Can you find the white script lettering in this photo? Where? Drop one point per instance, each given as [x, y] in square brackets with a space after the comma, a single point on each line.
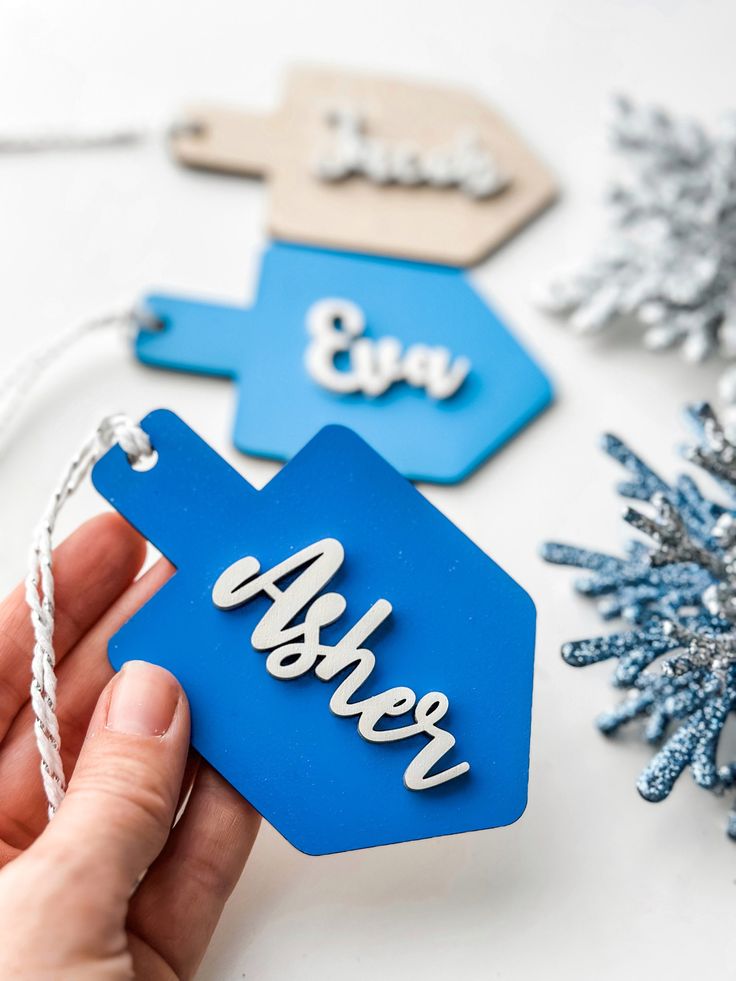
[336, 326]
[465, 164]
[295, 648]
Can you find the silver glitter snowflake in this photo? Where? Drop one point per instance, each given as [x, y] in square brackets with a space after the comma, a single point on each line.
[669, 260]
[676, 659]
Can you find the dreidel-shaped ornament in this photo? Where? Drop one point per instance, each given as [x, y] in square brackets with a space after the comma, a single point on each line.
[406, 354]
[371, 164]
[356, 667]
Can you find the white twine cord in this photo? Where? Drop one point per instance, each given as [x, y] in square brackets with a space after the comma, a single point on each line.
[14, 388]
[17, 382]
[63, 141]
[48, 142]
[39, 589]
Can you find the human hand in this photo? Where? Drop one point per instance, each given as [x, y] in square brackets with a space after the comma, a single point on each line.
[108, 889]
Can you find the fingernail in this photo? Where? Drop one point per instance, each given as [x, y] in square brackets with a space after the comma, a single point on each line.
[144, 699]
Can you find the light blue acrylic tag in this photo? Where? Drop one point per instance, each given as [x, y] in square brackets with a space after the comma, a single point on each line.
[357, 668]
[444, 412]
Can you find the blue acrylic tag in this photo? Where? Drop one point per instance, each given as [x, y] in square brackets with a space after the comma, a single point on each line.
[280, 405]
[457, 626]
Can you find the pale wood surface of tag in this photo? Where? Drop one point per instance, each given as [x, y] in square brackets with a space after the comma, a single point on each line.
[441, 225]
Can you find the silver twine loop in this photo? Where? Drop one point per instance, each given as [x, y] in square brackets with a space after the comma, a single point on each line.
[39, 592]
[39, 583]
[17, 382]
[62, 142]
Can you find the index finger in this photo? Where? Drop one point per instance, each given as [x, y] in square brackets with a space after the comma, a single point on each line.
[91, 568]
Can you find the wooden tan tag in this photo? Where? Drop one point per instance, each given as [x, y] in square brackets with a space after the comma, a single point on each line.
[425, 223]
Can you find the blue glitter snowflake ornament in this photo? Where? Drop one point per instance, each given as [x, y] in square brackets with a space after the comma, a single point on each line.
[677, 659]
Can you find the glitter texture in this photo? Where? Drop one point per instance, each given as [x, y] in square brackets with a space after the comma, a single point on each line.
[676, 590]
[669, 259]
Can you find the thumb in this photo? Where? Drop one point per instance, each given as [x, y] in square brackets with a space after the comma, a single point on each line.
[122, 797]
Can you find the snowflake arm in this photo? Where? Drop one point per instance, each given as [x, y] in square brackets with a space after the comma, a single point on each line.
[676, 588]
[668, 260]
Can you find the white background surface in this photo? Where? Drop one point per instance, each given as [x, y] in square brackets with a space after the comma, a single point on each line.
[592, 882]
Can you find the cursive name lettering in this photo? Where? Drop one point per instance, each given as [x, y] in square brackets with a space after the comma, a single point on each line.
[465, 164]
[296, 648]
[336, 326]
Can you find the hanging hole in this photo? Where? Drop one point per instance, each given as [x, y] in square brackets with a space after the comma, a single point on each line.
[144, 463]
[149, 321]
[192, 128]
